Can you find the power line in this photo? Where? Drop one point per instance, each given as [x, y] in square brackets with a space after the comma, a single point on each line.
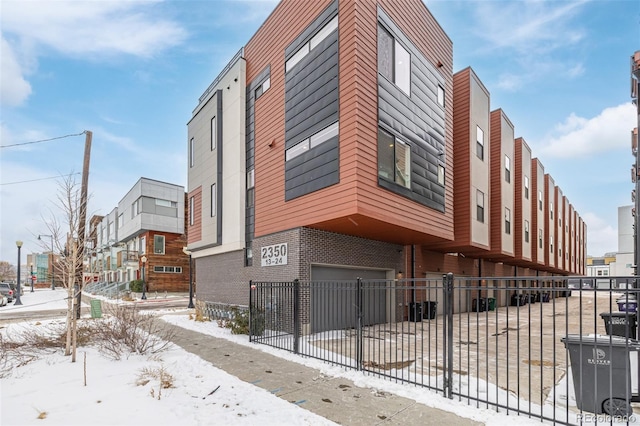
[35, 180]
[43, 140]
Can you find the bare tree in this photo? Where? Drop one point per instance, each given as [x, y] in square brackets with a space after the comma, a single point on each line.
[7, 271]
[65, 239]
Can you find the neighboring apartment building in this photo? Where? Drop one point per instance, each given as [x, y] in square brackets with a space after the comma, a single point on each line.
[146, 230]
[328, 148]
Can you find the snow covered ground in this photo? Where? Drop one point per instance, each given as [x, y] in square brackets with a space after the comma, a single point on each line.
[51, 390]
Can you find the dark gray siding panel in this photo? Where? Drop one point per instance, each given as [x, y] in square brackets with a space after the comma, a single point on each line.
[418, 120]
[311, 104]
[312, 170]
[311, 93]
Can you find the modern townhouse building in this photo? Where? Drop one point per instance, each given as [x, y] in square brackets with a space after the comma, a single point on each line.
[146, 230]
[338, 143]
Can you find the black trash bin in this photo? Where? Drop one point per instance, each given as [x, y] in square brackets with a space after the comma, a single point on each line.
[415, 311]
[429, 309]
[601, 370]
[516, 299]
[622, 324]
[479, 305]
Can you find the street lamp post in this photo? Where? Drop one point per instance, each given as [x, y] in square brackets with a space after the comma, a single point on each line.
[53, 258]
[31, 275]
[144, 284]
[188, 252]
[18, 302]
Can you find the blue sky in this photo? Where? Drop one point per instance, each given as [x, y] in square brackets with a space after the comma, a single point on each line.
[132, 72]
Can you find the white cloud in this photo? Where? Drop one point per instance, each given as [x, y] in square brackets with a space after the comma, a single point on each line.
[14, 89]
[94, 30]
[602, 236]
[579, 136]
[530, 33]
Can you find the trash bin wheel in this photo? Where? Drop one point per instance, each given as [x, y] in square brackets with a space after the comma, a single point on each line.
[617, 407]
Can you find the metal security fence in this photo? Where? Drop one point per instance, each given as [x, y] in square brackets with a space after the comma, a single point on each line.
[520, 345]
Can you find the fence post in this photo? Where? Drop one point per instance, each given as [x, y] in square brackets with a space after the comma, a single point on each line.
[359, 342]
[251, 288]
[296, 316]
[448, 331]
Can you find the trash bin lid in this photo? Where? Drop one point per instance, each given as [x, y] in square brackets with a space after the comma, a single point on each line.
[617, 314]
[600, 340]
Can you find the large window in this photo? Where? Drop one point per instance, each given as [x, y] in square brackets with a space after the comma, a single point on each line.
[480, 206]
[158, 244]
[479, 143]
[394, 159]
[394, 61]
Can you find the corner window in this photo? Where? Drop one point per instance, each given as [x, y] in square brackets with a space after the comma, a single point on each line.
[158, 244]
[394, 159]
[479, 143]
[394, 61]
[507, 169]
[480, 206]
[507, 221]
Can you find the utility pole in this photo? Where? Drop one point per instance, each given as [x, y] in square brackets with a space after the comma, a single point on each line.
[79, 282]
[635, 90]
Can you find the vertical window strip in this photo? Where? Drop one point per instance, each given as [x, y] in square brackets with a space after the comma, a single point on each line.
[213, 200]
[214, 133]
[479, 143]
[191, 210]
[191, 154]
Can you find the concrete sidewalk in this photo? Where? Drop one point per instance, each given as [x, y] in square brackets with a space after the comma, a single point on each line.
[334, 398]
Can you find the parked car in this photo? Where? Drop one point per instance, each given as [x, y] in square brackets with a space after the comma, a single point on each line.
[7, 291]
[3, 300]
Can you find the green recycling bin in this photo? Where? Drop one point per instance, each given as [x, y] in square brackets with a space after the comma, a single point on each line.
[491, 303]
[96, 308]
